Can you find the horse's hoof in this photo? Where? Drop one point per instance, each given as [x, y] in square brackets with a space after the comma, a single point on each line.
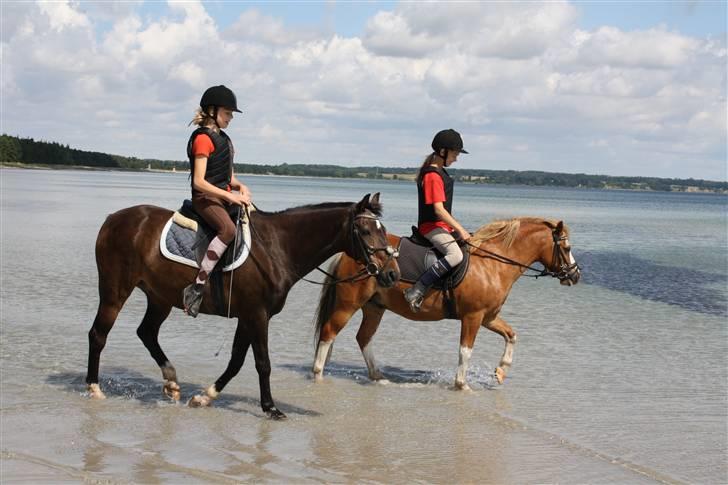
[199, 402]
[275, 414]
[500, 375]
[463, 386]
[380, 379]
[318, 377]
[94, 392]
[172, 391]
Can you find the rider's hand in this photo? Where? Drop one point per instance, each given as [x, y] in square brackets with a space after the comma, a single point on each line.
[464, 234]
[236, 198]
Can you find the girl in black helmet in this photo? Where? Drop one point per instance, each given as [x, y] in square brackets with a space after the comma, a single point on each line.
[214, 185]
[434, 215]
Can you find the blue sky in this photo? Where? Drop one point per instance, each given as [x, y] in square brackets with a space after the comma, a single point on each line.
[617, 88]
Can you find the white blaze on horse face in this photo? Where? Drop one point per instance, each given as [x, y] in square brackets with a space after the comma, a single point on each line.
[379, 224]
[321, 353]
[464, 358]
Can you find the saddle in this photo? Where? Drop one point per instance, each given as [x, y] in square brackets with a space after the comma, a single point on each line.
[416, 255]
[186, 236]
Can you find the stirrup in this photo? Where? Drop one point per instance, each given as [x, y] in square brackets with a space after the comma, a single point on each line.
[414, 297]
[192, 299]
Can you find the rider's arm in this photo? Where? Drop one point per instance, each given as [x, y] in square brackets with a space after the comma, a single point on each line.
[445, 217]
[236, 184]
[199, 183]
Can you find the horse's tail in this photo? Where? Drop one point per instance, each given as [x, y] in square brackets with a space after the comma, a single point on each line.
[327, 300]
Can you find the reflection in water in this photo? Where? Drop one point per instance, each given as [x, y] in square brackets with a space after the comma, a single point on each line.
[477, 376]
[686, 288]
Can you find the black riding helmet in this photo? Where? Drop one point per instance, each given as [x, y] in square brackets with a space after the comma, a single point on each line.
[449, 140]
[219, 96]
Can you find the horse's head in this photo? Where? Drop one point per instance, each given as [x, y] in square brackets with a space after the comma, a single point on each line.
[561, 262]
[369, 244]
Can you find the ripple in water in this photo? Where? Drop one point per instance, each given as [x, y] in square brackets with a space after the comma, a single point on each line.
[683, 287]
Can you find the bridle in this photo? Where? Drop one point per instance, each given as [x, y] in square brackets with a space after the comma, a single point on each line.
[565, 271]
[363, 253]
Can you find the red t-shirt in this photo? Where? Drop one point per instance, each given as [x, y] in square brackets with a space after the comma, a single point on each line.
[434, 189]
[202, 145]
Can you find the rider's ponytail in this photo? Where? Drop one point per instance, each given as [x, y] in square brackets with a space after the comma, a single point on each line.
[428, 161]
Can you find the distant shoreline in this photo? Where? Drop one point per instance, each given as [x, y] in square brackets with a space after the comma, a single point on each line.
[390, 177]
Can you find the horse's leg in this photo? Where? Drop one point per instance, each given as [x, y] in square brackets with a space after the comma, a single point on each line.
[148, 332]
[369, 324]
[111, 301]
[468, 331]
[241, 343]
[330, 329]
[499, 326]
[262, 365]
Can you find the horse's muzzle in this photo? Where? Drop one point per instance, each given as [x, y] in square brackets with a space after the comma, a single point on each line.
[572, 277]
[388, 278]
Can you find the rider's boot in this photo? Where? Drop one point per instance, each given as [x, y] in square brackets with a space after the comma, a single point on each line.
[416, 293]
[192, 298]
[192, 294]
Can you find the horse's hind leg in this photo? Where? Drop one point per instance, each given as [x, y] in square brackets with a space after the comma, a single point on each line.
[329, 330]
[109, 308]
[499, 326]
[148, 332]
[369, 324]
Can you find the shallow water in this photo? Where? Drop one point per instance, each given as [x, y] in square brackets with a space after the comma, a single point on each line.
[620, 379]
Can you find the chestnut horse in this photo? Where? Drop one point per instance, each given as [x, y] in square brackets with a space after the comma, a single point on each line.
[500, 253]
[286, 246]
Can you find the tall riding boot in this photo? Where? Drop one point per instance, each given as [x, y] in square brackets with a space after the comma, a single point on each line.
[192, 294]
[416, 293]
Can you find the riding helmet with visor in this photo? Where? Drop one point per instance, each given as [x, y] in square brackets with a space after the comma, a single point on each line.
[449, 140]
[219, 96]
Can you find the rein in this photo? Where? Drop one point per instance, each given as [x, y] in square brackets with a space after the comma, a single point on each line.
[564, 269]
[370, 269]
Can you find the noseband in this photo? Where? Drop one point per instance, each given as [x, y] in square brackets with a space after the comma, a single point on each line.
[371, 268]
[566, 270]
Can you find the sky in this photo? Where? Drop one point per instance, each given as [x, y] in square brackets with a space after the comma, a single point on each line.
[612, 88]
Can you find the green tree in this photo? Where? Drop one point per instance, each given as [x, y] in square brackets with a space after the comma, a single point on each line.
[10, 151]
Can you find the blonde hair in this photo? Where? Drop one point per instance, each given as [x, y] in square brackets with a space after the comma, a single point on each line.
[428, 161]
[204, 118]
[507, 229]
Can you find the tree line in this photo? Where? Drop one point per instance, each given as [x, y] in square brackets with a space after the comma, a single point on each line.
[27, 151]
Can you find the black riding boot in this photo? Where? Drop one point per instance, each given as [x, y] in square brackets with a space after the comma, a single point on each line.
[192, 299]
[416, 293]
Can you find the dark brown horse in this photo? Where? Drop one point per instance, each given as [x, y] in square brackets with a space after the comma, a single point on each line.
[500, 253]
[286, 246]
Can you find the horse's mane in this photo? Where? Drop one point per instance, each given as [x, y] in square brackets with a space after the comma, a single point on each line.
[375, 208]
[508, 228]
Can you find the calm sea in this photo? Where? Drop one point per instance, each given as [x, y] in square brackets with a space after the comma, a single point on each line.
[620, 379]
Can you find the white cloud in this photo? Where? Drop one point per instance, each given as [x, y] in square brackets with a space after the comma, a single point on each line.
[524, 84]
[62, 15]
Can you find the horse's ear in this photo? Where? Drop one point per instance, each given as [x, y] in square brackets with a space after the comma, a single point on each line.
[375, 199]
[363, 204]
[559, 227]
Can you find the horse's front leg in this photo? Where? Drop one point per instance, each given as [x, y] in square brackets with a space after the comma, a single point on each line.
[469, 326]
[241, 343]
[499, 326]
[262, 365]
[372, 316]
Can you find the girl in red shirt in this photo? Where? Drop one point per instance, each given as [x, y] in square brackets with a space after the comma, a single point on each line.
[434, 215]
[214, 186]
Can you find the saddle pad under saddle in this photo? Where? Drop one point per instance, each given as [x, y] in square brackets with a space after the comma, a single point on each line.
[180, 234]
[414, 260]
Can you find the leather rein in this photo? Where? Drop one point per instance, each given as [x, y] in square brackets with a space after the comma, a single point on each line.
[565, 269]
